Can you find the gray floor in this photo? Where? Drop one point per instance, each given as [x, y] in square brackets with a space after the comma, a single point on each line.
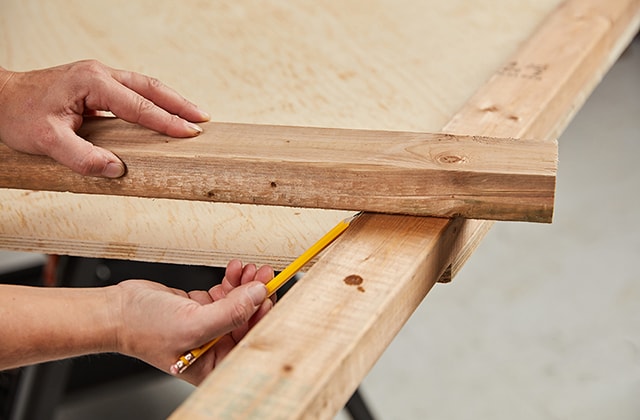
[542, 323]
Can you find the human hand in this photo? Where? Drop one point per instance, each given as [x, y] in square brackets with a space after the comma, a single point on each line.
[41, 110]
[158, 324]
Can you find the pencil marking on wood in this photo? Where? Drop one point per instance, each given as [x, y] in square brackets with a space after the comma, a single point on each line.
[533, 71]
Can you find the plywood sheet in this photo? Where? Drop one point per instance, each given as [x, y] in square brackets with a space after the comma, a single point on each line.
[384, 65]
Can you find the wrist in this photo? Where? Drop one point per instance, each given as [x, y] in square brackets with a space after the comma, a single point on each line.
[55, 323]
[112, 302]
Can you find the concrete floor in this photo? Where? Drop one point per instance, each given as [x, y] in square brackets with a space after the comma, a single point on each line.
[542, 323]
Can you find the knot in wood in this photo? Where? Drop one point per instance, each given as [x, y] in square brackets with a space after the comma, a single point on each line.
[450, 159]
[353, 280]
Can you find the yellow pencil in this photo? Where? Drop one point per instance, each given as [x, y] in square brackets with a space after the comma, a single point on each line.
[272, 286]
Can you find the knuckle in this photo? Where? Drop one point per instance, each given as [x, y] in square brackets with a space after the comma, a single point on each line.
[143, 106]
[155, 83]
[89, 74]
[91, 67]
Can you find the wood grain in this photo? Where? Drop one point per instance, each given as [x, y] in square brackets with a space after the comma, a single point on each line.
[308, 369]
[378, 171]
[158, 230]
[273, 374]
[313, 64]
[539, 89]
[324, 64]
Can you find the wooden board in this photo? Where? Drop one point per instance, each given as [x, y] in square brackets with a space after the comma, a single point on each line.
[273, 374]
[316, 64]
[294, 366]
[380, 171]
[559, 80]
[313, 64]
[158, 230]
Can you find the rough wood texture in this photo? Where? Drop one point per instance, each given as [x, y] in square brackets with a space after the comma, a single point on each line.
[316, 64]
[558, 80]
[273, 374]
[300, 367]
[380, 171]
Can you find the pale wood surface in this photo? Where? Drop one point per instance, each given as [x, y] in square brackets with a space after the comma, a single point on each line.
[157, 230]
[362, 83]
[422, 174]
[306, 366]
[321, 337]
[322, 64]
[557, 82]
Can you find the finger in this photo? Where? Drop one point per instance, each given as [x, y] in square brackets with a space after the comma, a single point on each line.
[160, 94]
[200, 296]
[264, 274]
[264, 309]
[217, 292]
[110, 95]
[222, 349]
[239, 333]
[94, 113]
[83, 157]
[248, 273]
[224, 316]
[232, 275]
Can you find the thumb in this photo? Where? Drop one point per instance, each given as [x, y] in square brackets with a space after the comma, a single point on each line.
[85, 158]
[234, 310]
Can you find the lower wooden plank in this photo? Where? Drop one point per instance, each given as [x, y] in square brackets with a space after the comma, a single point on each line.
[381, 265]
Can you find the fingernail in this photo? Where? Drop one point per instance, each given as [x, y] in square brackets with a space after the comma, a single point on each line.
[257, 293]
[194, 127]
[113, 170]
[204, 116]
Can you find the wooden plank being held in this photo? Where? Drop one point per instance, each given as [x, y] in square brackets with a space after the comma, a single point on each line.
[378, 171]
[311, 352]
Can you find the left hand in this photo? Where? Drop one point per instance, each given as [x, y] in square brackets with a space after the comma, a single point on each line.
[158, 324]
[41, 110]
